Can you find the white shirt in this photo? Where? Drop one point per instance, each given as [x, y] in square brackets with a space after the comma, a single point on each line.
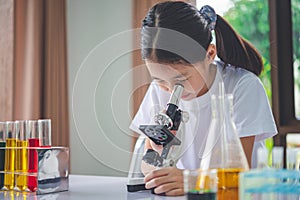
[251, 113]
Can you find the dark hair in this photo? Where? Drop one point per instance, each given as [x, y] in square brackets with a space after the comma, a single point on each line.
[185, 19]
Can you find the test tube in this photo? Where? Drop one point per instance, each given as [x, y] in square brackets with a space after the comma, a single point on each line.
[262, 158]
[21, 164]
[2, 152]
[297, 167]
[9, 166]
[45, 132]
[290, 158]
[277, 157]
[31, 128]
[2, 134]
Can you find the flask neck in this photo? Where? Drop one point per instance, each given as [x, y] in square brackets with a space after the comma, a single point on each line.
[222, 108]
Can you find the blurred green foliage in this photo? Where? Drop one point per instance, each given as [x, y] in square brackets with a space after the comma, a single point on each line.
[296, 37]
[250, 18]
[296, 50]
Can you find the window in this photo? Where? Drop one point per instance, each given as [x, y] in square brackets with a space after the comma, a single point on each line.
[283, 59]
[273, 26]
[295, 7]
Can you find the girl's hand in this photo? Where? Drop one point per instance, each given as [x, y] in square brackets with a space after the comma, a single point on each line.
[166, 180]
[158, 148]
[155, 147]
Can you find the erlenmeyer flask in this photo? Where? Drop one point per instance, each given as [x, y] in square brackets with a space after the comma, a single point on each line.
[223, 150]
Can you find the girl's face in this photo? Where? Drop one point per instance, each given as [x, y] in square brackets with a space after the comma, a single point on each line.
[192, 77]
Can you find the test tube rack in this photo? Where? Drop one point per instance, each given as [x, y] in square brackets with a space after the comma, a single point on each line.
[52, 174]
[269, 183]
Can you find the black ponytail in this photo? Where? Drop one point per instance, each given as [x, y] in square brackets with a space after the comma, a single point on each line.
[233, 49]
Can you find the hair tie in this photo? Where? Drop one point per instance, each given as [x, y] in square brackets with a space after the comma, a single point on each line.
[209, 15]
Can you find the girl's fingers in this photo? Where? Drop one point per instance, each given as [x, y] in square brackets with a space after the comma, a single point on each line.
[173, 132]
[157, 148]
[170, 189]
[156, 173]
[175, 192]
[156, 182]
[163, 178]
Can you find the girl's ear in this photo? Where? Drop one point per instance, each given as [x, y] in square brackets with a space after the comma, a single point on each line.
[211, 52]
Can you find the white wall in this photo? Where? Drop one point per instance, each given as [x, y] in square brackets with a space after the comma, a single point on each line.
[99, 85]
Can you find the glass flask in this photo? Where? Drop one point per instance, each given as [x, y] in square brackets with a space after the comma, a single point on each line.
[223, 150]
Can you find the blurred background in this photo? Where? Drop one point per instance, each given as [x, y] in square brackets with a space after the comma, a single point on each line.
[78, 63]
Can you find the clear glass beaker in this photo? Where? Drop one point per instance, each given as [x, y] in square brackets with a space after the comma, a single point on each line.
[200, 184]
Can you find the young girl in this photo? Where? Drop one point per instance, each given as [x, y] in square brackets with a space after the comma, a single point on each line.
[177, 48]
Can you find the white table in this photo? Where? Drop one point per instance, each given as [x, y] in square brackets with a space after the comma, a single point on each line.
[94, 187]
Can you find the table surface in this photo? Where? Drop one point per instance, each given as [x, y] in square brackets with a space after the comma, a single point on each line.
[93, 187]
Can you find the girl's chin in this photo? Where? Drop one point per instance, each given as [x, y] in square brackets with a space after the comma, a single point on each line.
[187, 97]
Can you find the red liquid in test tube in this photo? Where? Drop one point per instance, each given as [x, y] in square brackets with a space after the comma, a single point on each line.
[33, 163]
[33, 143]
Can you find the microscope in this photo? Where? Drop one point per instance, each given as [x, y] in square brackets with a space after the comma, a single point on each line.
[160, 133]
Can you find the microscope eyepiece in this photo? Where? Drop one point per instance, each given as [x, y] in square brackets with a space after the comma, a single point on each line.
[176, 94]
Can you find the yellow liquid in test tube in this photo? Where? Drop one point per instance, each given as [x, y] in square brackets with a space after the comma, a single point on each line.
[21, 165]
[9, 166]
